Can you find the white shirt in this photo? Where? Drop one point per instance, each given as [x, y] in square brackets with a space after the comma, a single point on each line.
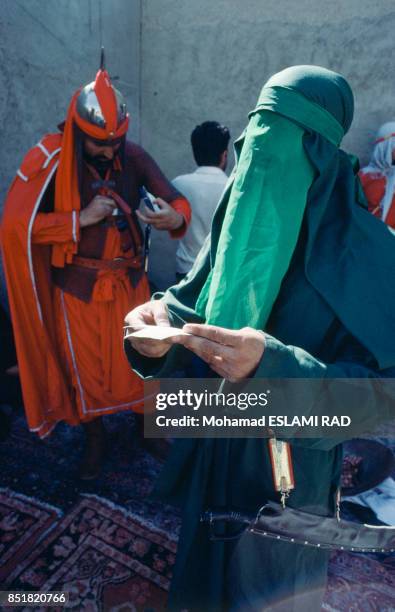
[203, 189]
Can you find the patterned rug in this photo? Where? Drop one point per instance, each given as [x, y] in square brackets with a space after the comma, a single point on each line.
[105, 557]
[106, 542]
[23, 523]
[112, 560]
[359, 583]
[48, 469]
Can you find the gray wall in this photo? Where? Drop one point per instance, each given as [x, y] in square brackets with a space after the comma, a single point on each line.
[208, 59]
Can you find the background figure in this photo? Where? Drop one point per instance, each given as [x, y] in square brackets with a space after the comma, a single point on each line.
[378, 178]
[74, 262]
[203, 188]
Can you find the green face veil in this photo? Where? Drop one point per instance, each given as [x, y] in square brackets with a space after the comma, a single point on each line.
[291, 173]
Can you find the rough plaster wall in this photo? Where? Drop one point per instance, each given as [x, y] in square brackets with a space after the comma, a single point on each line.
[49, 48]
[209, 59]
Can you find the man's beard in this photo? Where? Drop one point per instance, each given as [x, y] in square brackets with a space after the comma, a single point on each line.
[101, 163]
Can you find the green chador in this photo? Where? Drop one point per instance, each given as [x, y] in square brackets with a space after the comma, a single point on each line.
[293, 252]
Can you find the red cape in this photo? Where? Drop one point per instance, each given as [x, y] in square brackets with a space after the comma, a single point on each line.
[46, 395]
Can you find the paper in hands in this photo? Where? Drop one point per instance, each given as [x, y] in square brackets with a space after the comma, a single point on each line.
[154, 332]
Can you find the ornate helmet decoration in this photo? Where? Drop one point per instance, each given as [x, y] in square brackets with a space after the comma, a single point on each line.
[99, 102]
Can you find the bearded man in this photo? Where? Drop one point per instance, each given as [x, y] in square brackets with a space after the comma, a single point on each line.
[74, 261]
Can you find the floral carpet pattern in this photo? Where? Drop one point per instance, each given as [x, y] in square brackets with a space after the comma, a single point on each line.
[105, 557]
[359, 583]
[106, 542]
[23, 523]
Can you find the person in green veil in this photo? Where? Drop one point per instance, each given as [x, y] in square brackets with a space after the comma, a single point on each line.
[292, 283]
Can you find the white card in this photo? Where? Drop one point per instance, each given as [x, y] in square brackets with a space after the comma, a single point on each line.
[155, 332]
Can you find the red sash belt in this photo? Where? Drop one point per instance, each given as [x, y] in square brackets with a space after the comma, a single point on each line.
[108, 264]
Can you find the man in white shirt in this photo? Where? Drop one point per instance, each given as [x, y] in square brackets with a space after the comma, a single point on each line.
[202, 188]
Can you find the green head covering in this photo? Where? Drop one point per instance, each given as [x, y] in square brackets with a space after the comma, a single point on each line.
[331, 102]
[290, 172]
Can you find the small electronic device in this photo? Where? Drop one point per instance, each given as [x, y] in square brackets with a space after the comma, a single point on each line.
[148, 200]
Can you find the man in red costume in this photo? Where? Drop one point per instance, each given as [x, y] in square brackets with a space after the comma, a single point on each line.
[74, 260]
[378, 177]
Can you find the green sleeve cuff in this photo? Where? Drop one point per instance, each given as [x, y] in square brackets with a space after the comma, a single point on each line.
[281, 361]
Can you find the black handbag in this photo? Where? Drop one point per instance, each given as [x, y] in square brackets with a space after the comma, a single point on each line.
[298, 527]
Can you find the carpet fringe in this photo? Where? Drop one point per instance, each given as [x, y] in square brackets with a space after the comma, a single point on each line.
[27, 499]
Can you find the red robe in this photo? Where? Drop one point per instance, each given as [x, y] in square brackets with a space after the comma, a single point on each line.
[68, 321]
[374, 185]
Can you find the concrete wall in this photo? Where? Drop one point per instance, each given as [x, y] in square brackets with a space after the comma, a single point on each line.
[49, 48]
[209, 59]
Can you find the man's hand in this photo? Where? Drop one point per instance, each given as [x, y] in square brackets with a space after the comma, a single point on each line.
[99, 208]
[165, 219]
[150, 313]
[234, 355]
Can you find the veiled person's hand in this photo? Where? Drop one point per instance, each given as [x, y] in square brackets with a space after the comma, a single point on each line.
[150, 313]
[233, 354]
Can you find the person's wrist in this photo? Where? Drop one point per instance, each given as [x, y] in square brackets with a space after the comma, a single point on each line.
[178, 221]
[262, 340]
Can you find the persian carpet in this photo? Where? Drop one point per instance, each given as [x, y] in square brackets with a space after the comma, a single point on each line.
[359, 583]
[106, 558]
[23, 523]
[109, 545]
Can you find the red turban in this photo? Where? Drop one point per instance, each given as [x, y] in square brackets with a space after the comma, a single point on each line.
[67, 196]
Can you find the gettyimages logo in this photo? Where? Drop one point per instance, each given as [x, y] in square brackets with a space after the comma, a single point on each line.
[196, 400]
[287, 408]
